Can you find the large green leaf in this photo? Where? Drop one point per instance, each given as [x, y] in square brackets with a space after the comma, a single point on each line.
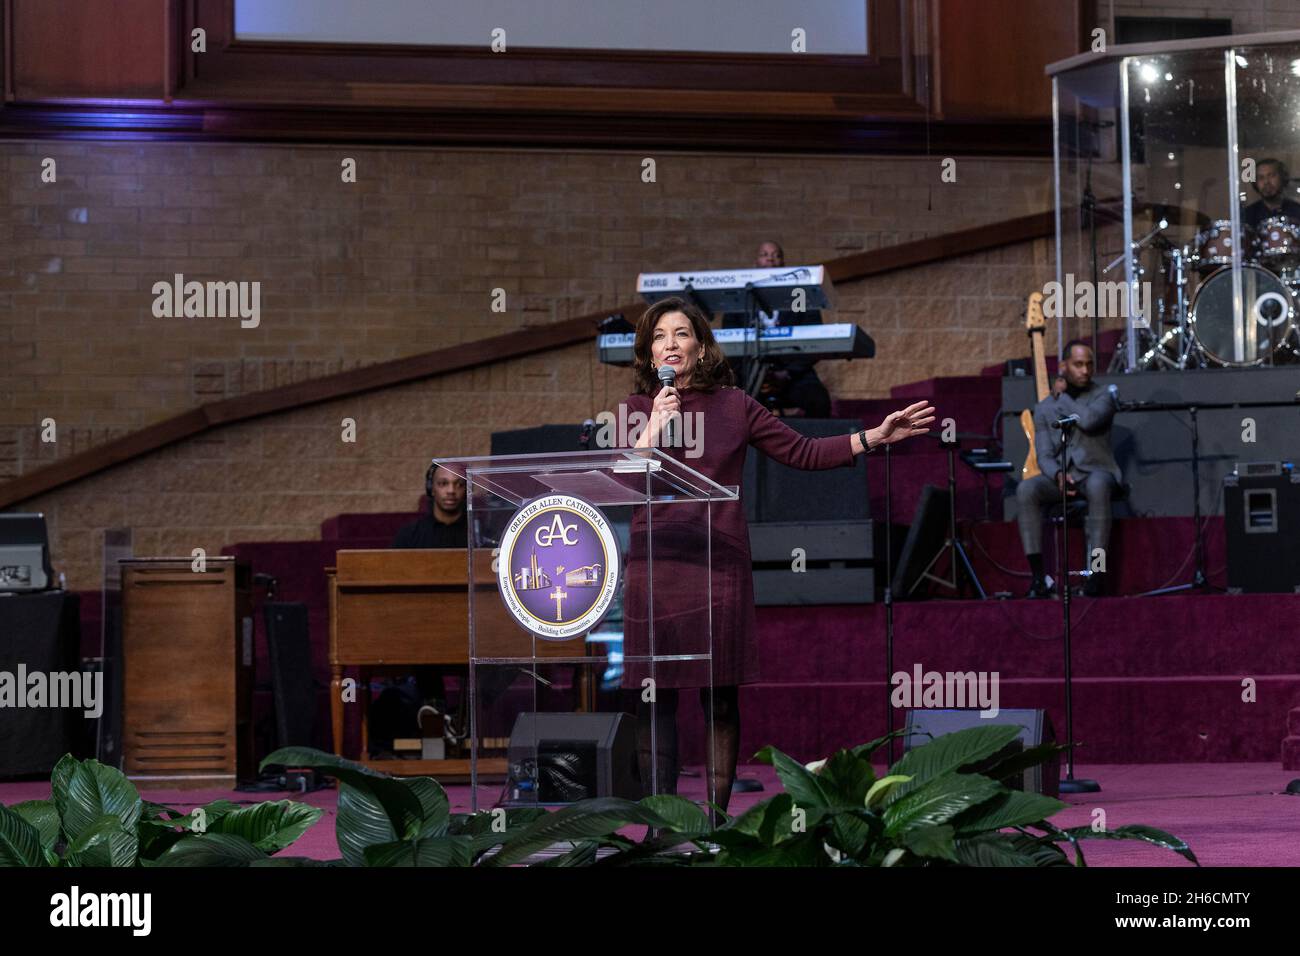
[846, 779]
[104, 843]
[803, 786]
[60, 777]
[362, 821]
[269, 826]
[583, 854]
[992, 850]
[1011, 809]
[1019, 761]
[435, 807]
[934, 841]
[93, 791]
[939, 801]
[1137, 831]
[682, 815]
[805, 850]
[852, 831]
[42, 815]
[400, 802]
[20, 841]
[431, 851]
[210, 849]
[580, 821]
[947, 754]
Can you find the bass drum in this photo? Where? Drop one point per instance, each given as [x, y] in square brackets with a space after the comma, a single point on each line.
[1267, 306]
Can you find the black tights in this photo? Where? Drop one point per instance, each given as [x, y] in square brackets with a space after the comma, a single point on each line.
[722, 754]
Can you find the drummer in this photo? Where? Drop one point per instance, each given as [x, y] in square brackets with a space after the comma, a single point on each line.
[1271, 179]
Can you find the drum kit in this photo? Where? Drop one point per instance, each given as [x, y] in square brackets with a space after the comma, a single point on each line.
[1200, 331]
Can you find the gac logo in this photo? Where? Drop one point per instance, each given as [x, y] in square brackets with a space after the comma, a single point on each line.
[545, 536]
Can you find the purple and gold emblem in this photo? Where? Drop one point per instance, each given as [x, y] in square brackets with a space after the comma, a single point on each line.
[559, 565]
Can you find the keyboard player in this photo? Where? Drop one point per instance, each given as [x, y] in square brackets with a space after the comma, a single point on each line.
[791, 386]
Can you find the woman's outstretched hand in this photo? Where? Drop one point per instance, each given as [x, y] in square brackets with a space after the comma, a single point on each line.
[913, 420]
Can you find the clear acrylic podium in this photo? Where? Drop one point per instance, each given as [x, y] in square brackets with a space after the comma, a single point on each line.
[600, 594]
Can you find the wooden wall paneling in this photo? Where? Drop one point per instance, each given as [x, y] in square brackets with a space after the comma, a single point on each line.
[71, 49]
[994, 51]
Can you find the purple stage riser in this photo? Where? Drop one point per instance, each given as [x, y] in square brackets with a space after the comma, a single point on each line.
[1143, 553]
[1181, 635]
[1115, 721]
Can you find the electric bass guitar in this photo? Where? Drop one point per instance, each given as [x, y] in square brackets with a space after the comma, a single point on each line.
[1036, 327]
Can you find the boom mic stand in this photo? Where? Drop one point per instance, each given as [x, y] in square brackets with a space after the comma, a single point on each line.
[956, 550]
[1070, 784]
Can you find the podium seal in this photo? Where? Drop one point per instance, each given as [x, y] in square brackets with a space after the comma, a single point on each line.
[559, 565]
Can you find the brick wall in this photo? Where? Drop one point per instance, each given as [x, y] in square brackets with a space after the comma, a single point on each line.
[403, 261]
[1248, 16]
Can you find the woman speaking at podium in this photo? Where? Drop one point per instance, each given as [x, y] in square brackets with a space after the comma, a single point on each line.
[703, 581]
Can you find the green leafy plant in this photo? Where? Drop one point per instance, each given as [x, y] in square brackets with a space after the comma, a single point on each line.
[930, 809]
[96, 817]
[945, 803]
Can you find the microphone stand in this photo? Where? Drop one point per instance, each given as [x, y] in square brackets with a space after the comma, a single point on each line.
[889, 603]
[1069, 784]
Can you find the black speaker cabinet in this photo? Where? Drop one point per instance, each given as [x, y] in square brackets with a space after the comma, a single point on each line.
[288, 645]
[775, 492]
[557, 758]
[1261, 519]
[40, 632]
[1035, 729]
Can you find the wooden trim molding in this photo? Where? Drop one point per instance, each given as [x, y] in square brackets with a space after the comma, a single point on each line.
[486, 351]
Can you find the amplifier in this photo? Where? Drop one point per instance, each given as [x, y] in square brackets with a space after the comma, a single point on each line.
[1261, 519]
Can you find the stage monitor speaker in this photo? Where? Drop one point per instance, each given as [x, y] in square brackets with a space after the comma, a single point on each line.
[539, 440]
[1035, 729]
[557, 758]
[776, 492]
[925, 539]
[288, 645]
[41, 633]
[1261, 521]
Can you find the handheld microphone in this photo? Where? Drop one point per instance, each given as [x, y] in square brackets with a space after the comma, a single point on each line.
[1114, 394]
[1066, 421]
[584, 440]
[668, 376]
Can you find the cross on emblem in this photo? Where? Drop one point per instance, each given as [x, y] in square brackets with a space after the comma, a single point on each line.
[558, 596]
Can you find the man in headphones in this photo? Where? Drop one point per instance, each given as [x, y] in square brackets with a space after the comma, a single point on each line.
[1271, 180]
[444, 526]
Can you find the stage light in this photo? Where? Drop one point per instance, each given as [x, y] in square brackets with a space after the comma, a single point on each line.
[1171, 155]
[1178, 185]
[1241, 61]
[1148, 73]
[1169, 76]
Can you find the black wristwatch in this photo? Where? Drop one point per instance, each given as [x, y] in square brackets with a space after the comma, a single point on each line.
[866, 446]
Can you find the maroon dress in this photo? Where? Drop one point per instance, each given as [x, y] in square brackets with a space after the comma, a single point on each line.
[687, 538]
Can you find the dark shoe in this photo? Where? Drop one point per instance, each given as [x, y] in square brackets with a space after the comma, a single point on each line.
[1040, 589]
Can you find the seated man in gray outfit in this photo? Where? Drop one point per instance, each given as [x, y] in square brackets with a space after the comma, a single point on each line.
[1090, 468]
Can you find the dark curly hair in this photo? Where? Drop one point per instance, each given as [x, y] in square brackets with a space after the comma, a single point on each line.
[711, 371]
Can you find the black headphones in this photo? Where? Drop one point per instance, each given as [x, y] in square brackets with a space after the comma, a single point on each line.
[428, 480]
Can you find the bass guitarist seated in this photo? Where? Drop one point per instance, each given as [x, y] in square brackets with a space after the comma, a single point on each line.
[1090, 467]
